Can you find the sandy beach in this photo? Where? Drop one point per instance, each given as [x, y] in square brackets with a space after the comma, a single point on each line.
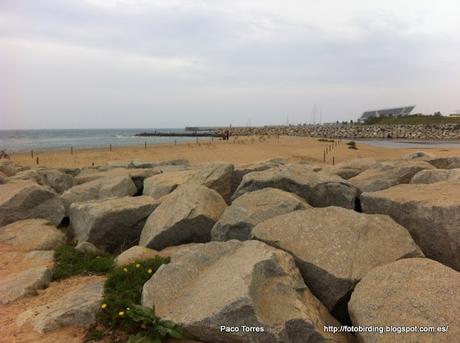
[240, 151]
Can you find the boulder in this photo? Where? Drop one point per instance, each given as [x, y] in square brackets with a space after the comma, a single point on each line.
[106, 187]
[387, 174]
[414, 292]
[234, 284]
[7, 167]
[436, 175]
[244, 169]
[57, 180]
[335, 247]
[160, 185]
[351, 168]
[113, 223]
[3, 178]
[32, 234]
[25, 199]
[252, 208]
[216, 176]
[24, 284]
[88, 248]
[446, 162]
[133, 254]
[431, 213]
[137, 175]
[319, 189]
[185, 216]
[419, 155]
[75, 308]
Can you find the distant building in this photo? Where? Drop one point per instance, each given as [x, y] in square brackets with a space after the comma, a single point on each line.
[387, 112]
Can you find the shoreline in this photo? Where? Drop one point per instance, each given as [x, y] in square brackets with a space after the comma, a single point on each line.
[238, 150]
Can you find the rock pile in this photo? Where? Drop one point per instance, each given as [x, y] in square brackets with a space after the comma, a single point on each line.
[268, 252]
[424, 131]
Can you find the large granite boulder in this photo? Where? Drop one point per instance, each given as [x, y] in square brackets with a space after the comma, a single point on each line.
[387, 174]
[24, 284]
[160, 185]
[431, 213]
[25, 199]
[335, 247]
[414, 292]
[419, 155]
[215, 176]
[111, 224]
[436, 175]
[186, 215]
[53, 178]
[319, 189]
[225, 292]
[351, 168]
[32, 234]
[3, 178]
[75, 308]
[137, 175]
[134, 254]
[252, 208]
[446, 162]
[242, 170]
[8, 167]
[102, 188]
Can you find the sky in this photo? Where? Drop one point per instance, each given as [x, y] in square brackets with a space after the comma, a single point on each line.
[173, 63]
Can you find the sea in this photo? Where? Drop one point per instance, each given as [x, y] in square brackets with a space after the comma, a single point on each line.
[41, 140]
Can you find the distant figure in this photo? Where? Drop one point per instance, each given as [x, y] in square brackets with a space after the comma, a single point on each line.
[227, 135]
[3, 154]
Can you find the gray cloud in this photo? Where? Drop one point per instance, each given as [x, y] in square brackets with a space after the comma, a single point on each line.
[176, 63]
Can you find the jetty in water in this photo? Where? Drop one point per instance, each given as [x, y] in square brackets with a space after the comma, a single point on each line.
[187, 133]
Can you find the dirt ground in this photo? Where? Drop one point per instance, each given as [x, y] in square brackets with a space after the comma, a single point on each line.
[243, 150]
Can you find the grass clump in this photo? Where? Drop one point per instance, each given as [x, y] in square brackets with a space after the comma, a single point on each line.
[69, 262]
[121, 309]
[352, 145]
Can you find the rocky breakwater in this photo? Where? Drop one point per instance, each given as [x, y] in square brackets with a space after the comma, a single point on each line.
[267, 252]
[354, 131]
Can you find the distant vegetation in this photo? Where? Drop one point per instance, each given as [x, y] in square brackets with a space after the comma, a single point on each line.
[413, 120]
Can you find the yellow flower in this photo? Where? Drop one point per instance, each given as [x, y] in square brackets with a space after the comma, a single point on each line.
[149, 271]
[127, 309]
[121, 313]
[138, 265]
[125, 269]
[103, 305]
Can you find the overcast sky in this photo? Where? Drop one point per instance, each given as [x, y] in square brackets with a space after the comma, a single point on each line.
[172, 63]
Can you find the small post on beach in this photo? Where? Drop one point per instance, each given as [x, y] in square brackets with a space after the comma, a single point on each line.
[333, 160]
[71, 150]
[324, 156]
[37, 161]
[110, 147]
[32, 153]
[145, 145]
[175, 142]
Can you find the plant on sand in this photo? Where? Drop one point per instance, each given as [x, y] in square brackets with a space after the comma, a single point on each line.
[69, 262]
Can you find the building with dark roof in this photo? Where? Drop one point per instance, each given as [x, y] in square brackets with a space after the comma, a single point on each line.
[387, 112]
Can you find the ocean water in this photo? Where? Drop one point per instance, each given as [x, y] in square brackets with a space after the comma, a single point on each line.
[40, 140]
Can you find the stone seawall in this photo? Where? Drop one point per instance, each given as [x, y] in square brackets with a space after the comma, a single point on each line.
[428, 132]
